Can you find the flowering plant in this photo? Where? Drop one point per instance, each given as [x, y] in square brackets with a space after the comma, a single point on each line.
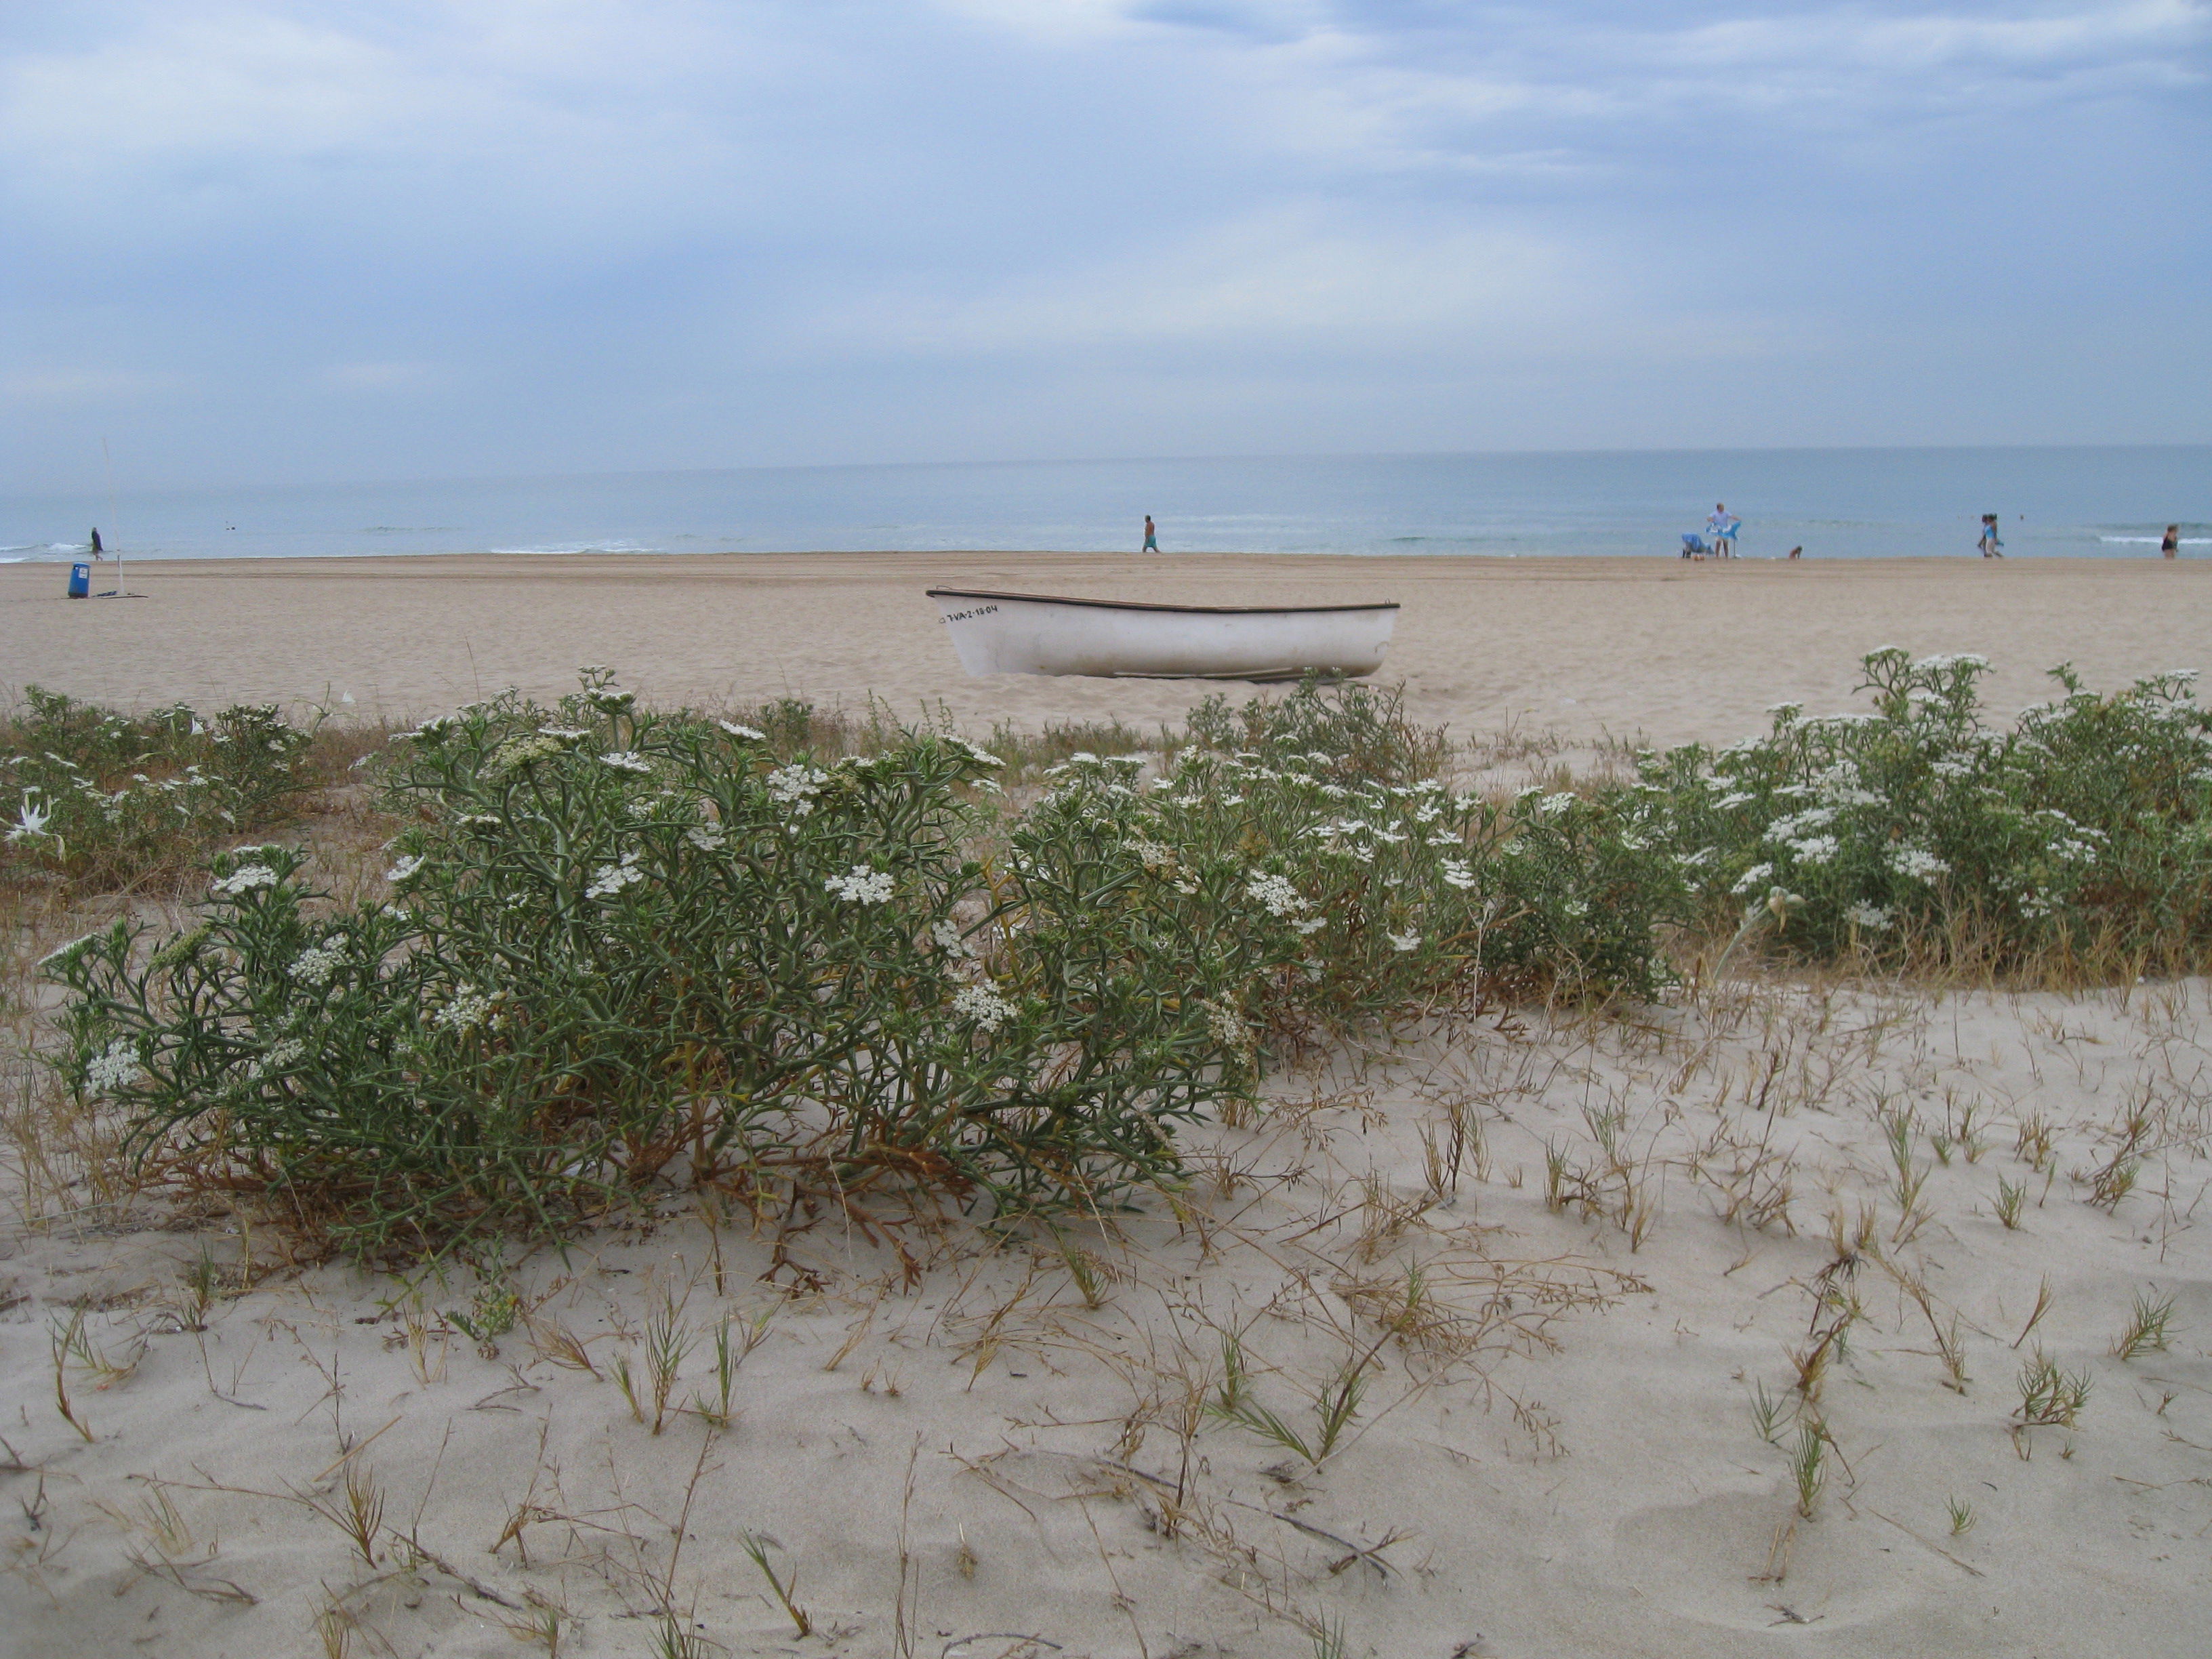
[691, 964]
[2086, 822]
[101, 798]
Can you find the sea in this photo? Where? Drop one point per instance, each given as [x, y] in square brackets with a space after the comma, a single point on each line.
[2112, 502]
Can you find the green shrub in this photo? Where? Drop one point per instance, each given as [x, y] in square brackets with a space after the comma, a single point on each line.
[618, 939]
[625, 947]
[2088, 827]
[102, 798]
[1343, 906]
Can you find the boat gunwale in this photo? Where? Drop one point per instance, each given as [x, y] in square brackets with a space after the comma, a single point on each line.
[1146, 604]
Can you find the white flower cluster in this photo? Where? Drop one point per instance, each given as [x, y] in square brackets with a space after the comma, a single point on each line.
[743, 733]
[468, 1009]
[1457, 874]
[405, 870]
[862, 885]
[1228, 1025]
[518, 752]
[1404, 941]
[318, 964]
[60, 958]
[610, 878]
[1750, 878]
[796, 786]
[976, 752]
[626, 760]
[982, 1005]
[245, 878]
[707, 838]
[1283, 901]
[949, 940]
[1156, 859]
[287, 1051]
[1916, 863]
[1869, 918]
[431, 730]
[113, 1067]
[1815, 849]
[1789, 829]
[2077, 841]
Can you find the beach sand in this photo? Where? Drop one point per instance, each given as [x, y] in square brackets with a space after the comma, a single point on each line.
[1004, 1453]
[1657, 649]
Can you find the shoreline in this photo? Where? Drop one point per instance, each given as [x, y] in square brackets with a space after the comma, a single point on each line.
[642, 555]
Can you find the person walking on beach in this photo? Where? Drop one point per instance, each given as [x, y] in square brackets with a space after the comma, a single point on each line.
[1151, 536]
[1990, 546]
[2171, 547]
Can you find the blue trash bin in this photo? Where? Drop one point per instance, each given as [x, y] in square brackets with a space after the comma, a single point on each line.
[80, 580]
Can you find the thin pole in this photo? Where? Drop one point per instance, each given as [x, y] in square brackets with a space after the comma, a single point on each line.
[108, 461]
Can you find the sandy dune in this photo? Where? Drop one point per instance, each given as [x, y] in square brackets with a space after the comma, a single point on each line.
[1560, 1452]
[1563, 1322]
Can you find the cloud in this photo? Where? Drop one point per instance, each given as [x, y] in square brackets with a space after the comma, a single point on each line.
[1289, 277]
[200, 117]
[663, 232]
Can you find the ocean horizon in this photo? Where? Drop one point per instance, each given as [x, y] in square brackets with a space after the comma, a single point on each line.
[2080, 502]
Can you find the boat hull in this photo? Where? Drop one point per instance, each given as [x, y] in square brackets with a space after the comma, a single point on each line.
[1038, 633]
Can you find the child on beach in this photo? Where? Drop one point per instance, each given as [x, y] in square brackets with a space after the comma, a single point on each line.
[1990, 546]
[2171, 547]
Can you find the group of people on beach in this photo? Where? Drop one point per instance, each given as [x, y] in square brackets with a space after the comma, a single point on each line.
[1723, 525]
[1721, 529]
[2169, 546]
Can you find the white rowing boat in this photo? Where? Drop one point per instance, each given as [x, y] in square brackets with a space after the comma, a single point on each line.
[1036, 633]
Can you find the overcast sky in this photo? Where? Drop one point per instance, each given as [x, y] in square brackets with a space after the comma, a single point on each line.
[264, 242]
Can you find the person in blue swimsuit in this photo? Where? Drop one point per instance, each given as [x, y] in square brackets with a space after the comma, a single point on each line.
[1990, 546]
[1151, 536]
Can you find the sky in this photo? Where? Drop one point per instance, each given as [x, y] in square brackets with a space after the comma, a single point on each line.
[268, 243]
